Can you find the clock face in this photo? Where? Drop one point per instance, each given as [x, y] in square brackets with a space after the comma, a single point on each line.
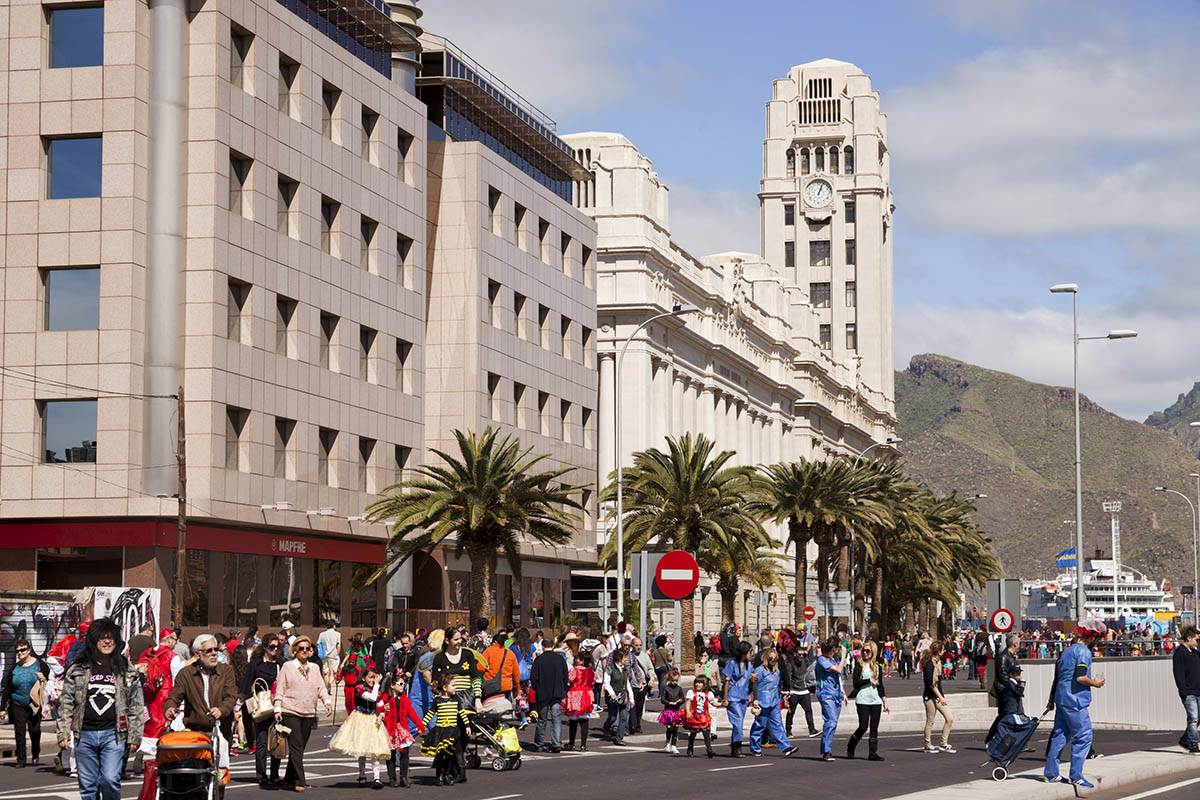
[818, 193]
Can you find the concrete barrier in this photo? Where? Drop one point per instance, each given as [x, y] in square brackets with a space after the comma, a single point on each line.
[1138, 692]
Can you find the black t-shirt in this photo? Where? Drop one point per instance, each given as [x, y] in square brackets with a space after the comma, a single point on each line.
[100, 705]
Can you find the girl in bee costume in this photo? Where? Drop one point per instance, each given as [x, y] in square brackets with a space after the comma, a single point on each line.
[446, 719]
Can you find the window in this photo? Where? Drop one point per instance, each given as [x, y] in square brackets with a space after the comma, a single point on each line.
[564, 329]
[804, 162]
[818, 253]
[564, 249]
[585, 500]
[589, 345]
[494, 304]
[848, 160]
[402, 456]
[544, 406]
[519, 224]
[404, 382]
[287, 219]
[851, 251]
[791, 163]
[331, 101]
[825, 337]
[520, 328]
[74, 166]
[789, 214]
[818, 294]
[328, 355]
[494, 211]
[326, 443]
[68, 431]
[240, 199]
[585, 259]
[544, 326]
[77, 37]
[240, 40]
[72, 298]
[237, 451]
[819, 153]
[493, 389]
[833, 160]
[851, 212]
[367, 257]
[367, 146]
[330, 209]
[285, 331]
[789, 254]
[564, 419]
[404, 166]
[404, 265]
[519, 404]
[366, 347]
[544, 240]
[289, 70]
[851, 336]
[586, 423]
[851, 294]
[366, 448]
[237, 318]
[284, 464]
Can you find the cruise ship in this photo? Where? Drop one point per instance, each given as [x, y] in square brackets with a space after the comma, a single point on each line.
[1136, 595]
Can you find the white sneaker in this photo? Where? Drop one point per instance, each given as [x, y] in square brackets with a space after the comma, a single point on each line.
[932, 749]
[667, 748]
[947, 749]
[675, 749]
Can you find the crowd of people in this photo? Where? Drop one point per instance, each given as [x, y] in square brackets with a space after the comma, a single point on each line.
[263, 693]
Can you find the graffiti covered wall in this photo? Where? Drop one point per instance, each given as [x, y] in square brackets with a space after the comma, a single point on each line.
[42, 622]
[130, 607]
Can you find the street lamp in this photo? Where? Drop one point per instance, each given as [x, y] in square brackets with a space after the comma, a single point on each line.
[1073, 290]
[1195, 536]
[676, 311]
[890, 441]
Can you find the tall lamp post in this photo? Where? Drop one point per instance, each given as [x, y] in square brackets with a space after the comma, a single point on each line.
[677, 311]
[1195, 539]
[1073, 290]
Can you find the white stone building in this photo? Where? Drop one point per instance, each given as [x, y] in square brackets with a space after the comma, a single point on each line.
[757, 370]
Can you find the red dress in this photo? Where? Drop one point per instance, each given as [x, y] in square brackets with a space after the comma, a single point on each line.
[156, 687]
[397, 712]
[698, 710]
[579, 692]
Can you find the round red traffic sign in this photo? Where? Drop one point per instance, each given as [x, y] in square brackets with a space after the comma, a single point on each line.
[677, 575]
[1002, 620]
[809, 612]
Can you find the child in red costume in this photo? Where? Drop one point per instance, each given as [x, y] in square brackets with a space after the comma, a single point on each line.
[397, 712]
[155, 666]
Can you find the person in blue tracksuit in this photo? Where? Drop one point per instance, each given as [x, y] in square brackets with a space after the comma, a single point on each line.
[1072, 694]
[829, 692]
[767, 699]
[737, 694]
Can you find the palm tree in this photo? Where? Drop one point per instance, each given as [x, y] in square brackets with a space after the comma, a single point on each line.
[734, 558]
[485, 500]
[680, 498]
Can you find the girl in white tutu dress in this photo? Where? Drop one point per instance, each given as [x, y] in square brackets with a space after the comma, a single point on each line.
[363, 734]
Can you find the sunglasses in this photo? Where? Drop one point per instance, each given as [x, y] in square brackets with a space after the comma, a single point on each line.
[303, 649]
[208, 650]
[273, 647]
[22, 649]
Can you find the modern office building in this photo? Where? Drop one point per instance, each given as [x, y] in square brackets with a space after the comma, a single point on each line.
[756, 368]
[262, 203]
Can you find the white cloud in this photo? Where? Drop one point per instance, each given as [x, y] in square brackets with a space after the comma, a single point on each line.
[703, 222]
[565, 57]
[1077, 138]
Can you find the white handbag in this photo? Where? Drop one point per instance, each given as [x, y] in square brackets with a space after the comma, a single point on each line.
[259, 703]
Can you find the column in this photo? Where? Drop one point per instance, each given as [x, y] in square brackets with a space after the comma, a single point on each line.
[676, 418]
[605, 437]
[659, 423]
[708, 411]
[635, 387]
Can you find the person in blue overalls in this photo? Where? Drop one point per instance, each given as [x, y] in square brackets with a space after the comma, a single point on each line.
[1070, 698]
[767, 699]
[829, 692]
[737, 694]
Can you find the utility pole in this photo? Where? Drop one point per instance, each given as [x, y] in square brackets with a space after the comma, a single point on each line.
[181, 512]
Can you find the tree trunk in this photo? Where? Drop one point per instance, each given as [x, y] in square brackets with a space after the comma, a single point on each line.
[843, 577]
[822, 585]
[878, 609]
[860, 594]
[483, 569]
[801, 573]
[728, 600]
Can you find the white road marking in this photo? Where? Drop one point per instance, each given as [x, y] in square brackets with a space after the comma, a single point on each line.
[503, 797]
[1152, 792]
[743, 766]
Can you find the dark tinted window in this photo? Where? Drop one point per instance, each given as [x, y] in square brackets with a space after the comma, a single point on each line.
[69, 431]
[75, 167]
[77, 37]
[72, 299]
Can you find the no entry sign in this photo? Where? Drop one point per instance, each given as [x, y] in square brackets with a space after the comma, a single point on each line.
[809, 612]
[677, 574]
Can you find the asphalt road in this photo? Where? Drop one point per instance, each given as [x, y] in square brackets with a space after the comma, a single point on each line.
[1174, 787]
[644, 770]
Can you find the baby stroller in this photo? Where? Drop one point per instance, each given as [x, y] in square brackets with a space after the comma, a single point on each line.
[188, 766]
[1012, 735]
[498, 733]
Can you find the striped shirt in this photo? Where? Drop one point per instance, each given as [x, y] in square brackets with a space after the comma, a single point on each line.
[467, 680]
[446, 712]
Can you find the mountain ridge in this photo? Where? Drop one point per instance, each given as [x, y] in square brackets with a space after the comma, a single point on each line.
[1176, 419]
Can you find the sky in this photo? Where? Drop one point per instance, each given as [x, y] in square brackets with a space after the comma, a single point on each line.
[1033, 142]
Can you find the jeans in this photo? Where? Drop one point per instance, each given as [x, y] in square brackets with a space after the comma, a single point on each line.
[98, 756]
[868, 718]
[639, 707]
[1191, 704]
[932, 709]
[805, 702]
[302, 728]
[619, 714]
[1074, 724]
[261, 755]
[737, 718]
[23, 720]
[831, 709]
[768, 723]
[549, 714]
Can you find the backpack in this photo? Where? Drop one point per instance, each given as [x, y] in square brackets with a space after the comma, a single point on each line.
[981, 648]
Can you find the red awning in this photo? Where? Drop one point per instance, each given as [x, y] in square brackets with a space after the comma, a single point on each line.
[216, 538]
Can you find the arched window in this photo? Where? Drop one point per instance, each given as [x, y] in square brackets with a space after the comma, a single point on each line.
[833, 160]
[848, 155]
[791, 163]
[820, 159]
[804, 161]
